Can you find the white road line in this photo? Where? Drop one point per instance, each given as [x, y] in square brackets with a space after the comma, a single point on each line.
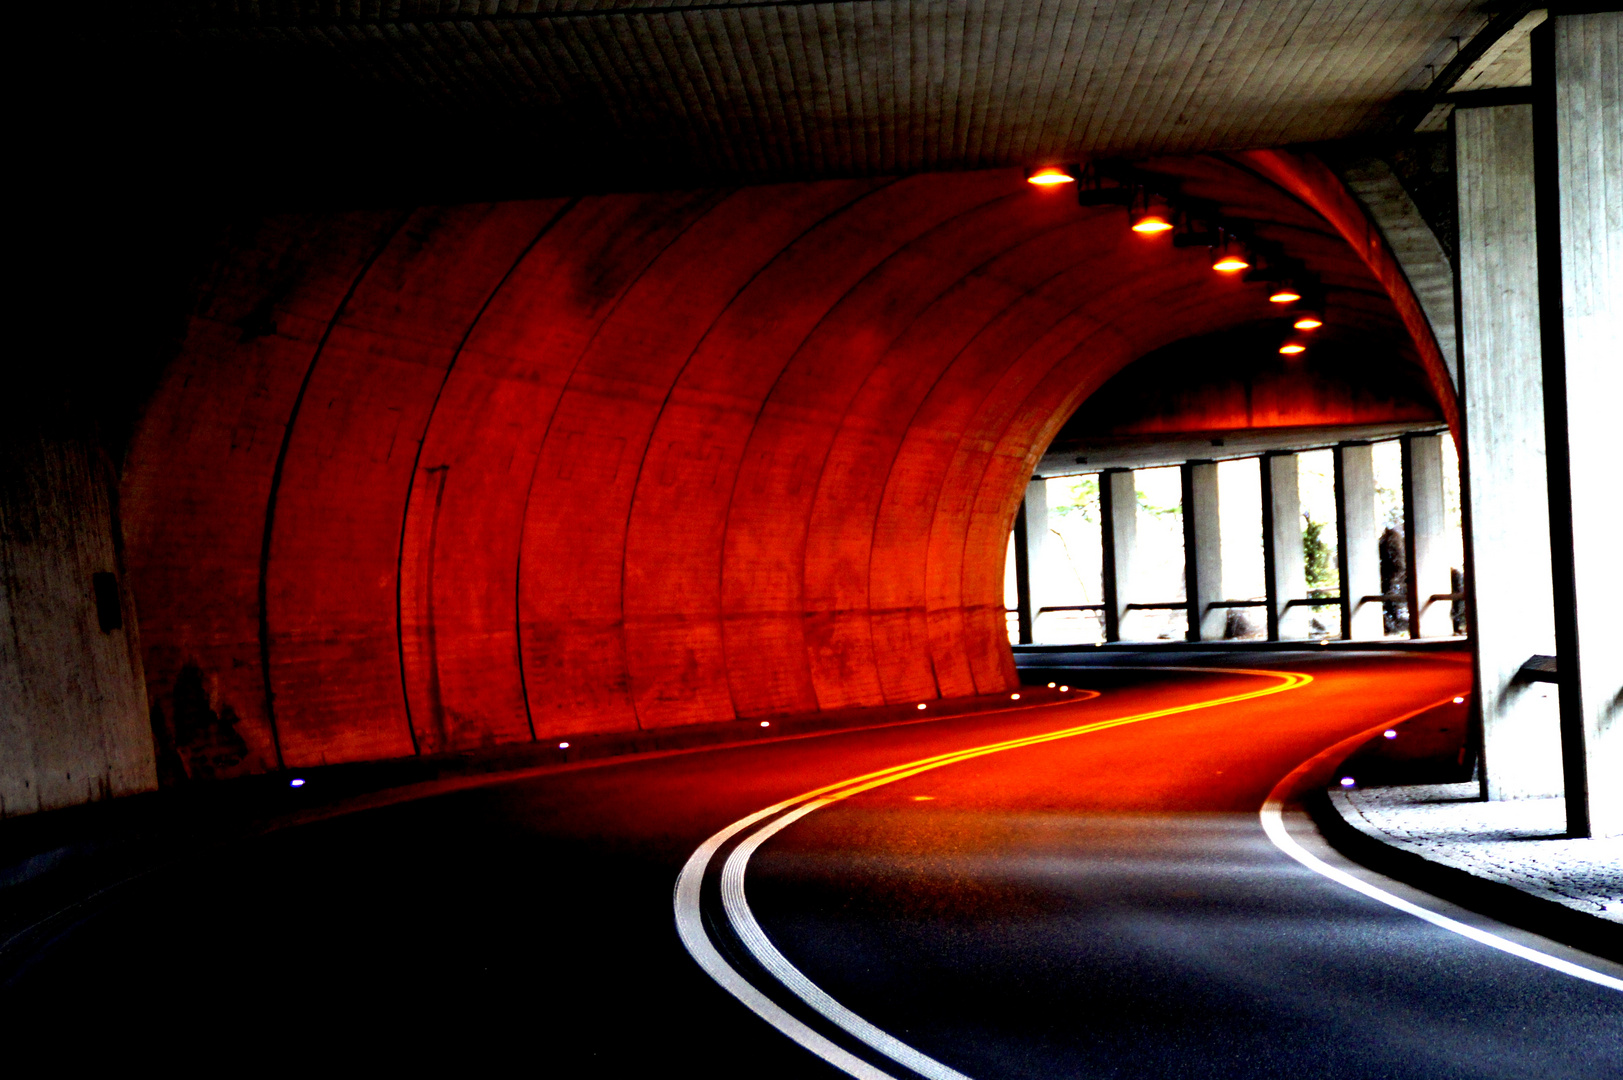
[690, 927]
[1273, 823]
[755, 940]
[690, 923]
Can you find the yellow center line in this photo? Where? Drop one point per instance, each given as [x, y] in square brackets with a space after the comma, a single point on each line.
[858, 784]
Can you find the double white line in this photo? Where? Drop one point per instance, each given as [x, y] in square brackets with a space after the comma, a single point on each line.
[765, 823]
[1310, 773]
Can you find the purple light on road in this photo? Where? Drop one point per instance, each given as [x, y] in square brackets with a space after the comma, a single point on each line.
[1391, 734]
[1347, 781]
[295, 783]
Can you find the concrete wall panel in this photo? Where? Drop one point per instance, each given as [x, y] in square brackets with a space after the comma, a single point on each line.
[840, 539]
[331, 580]
[199, 473]
[459, 552]
[763, 581]
[572, 642]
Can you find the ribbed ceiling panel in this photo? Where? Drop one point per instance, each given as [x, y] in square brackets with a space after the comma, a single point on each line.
[774, 88]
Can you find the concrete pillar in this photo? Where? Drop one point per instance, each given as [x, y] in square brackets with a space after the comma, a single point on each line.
[1357, 543]
[73, 708]
[1506, 501]
[1203, 552]
[1425, 529]
[1022, 576]
[1579, 162]
[1037, 537]
[1283, 557]
[1118, 525]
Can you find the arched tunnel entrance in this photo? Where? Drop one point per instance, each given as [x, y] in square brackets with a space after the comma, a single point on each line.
[450, 477]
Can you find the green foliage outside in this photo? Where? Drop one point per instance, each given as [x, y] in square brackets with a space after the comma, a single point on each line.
[1322, 575]
[1147, 507]
[1084, 499]
[1085, 502]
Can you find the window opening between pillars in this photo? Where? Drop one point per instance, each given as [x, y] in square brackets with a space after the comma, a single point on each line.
[1316, 483]
[1065, 520]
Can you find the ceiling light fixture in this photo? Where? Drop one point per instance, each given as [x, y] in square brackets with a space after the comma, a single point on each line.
[1307, 321]
[1148, 215]
[1292, 348]
[1228, 257]
[1049, 175]
[1284, 296]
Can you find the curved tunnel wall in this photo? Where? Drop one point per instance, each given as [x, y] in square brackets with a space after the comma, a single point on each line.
[432, 480]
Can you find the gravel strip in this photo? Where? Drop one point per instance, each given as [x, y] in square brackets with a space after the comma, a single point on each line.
[1520, 843]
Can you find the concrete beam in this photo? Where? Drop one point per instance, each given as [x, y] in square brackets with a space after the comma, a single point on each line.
[1202, 552]
[1579, 153]
[1284, 558]
[1425, 529]
[1118, 524]
[1357, 550]
[1502, 403]
[1414, 246]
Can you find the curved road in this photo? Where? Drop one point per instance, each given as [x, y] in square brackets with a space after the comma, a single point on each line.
[1100, 904]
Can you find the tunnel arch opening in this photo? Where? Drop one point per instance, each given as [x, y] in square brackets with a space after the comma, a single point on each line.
[469, 475]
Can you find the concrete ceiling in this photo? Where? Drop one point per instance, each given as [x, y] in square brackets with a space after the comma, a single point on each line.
[787, 88]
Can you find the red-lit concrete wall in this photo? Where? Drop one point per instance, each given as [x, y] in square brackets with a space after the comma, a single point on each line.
[462, 476]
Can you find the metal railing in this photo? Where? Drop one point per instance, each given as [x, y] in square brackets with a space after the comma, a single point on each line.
[1069, 607]
[1310, 601]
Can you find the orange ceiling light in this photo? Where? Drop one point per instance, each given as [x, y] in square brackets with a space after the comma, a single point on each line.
[1307, 322]
[1148, 213]
[1284, 296]
[1049, 175]
[1292, 348]
[1228, 256]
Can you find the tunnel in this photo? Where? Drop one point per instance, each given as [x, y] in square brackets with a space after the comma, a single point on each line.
[461, 476]
[809, 538]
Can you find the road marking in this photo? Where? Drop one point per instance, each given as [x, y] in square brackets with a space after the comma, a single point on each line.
[690, 923]
[1273, 823]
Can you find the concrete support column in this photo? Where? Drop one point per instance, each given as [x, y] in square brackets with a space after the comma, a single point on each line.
[1503, 477]
[1579, 156]
[1202, 552]
[73, 704]
[1284, 559]
[1022, 576]
[1118, 525]
[1036, 541]
[1424, 533]
[1357, 547]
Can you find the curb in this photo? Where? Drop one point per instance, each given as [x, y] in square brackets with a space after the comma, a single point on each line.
[1485, 896]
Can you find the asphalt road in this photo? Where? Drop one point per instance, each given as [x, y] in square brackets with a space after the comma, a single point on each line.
[1100, 905]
